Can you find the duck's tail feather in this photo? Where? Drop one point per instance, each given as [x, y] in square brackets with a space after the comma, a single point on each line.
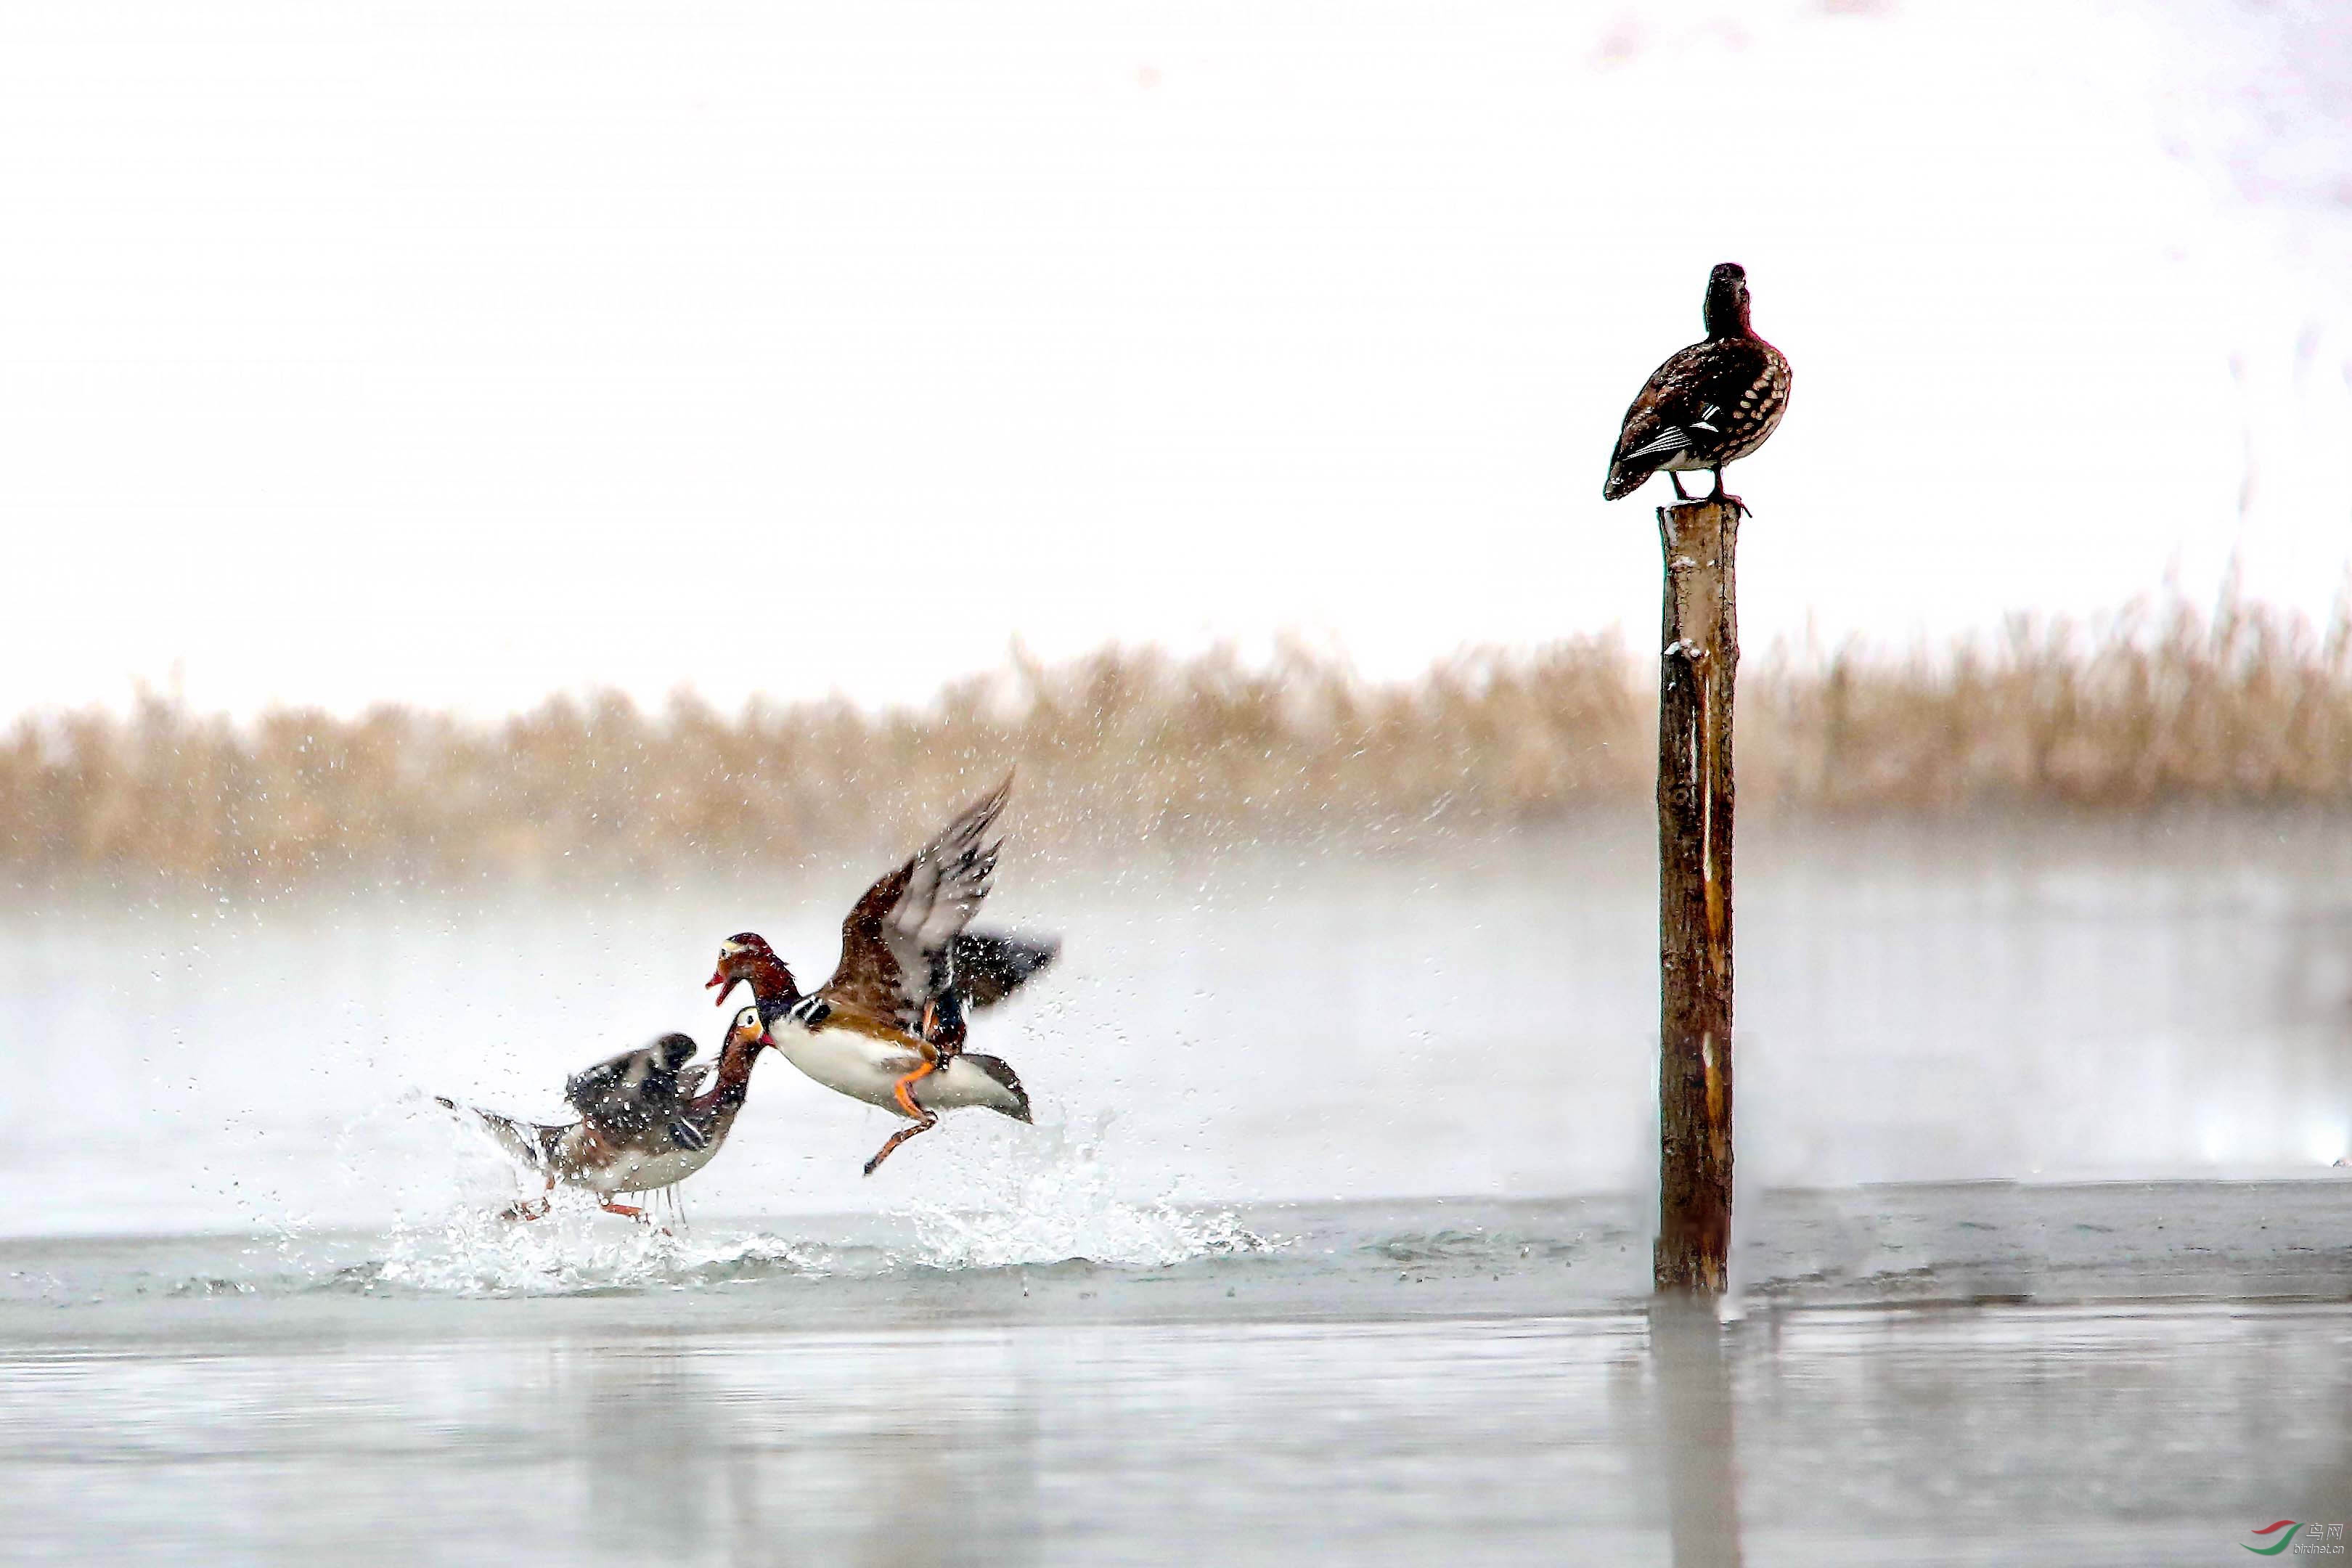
[526, 1141]
[1000, 1069]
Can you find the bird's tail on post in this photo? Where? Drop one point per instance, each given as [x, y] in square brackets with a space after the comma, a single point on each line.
[1699, 664]
[1625, 478]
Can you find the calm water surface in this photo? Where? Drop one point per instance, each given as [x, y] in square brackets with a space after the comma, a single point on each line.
[2129, 1373]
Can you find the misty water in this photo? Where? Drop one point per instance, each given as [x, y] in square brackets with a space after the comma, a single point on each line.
[1340, 1190]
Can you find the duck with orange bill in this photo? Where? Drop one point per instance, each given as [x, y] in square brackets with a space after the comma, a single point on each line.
[646, 1120]
[889, 1027]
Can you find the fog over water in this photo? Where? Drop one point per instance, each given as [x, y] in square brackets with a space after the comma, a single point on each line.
[1916, 1003]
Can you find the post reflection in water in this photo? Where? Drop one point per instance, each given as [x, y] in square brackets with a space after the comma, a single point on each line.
[1697, 1430]
[588, 1431]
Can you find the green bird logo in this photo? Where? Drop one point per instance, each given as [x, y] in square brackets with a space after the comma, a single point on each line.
[2281, 1544]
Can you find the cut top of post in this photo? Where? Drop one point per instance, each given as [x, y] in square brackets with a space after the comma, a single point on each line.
[1699, 537]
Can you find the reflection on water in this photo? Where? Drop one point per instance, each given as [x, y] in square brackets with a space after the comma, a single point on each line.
[1690, 1364]
[1438, 1380]
[1980, 1436]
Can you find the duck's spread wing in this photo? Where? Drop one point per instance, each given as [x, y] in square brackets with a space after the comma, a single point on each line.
[624, 1095]
[898, 946]
[990, 966]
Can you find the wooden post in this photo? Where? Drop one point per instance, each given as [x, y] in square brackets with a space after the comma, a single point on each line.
[1696, 677]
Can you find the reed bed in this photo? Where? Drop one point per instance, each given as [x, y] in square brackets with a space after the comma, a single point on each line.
[2168, 704]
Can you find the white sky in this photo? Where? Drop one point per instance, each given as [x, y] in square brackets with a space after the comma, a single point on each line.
[458, 354]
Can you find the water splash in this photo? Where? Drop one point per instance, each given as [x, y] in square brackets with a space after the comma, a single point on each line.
[1030, 1200]
[574, 1251]
[1052, 1200]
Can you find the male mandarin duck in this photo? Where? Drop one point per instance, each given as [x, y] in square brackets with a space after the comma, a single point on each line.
[888, 1028]
[1711, 404]
[641, 1124]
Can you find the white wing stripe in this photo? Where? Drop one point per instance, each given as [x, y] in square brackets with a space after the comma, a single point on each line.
[1673, 438]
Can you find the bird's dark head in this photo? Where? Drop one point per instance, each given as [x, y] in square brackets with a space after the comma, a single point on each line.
[1726, 300]
[746, 957]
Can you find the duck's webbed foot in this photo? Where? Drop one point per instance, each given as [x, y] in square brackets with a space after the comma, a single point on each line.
[924, 1119]
[900, 1136]
[625, 1211]
[530, 1208]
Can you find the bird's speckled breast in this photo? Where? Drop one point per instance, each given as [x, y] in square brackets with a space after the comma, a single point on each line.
[1755, 413]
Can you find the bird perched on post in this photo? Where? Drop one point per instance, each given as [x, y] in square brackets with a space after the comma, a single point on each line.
[1712, 403]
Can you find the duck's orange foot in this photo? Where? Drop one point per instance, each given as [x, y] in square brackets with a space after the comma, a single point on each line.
[924, 1119]
[626, 1212]
[900, 1136]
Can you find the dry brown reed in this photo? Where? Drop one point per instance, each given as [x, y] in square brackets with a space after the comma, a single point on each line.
[2240, 706]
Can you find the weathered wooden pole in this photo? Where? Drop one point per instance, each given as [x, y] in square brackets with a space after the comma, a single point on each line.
[1696, 677]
